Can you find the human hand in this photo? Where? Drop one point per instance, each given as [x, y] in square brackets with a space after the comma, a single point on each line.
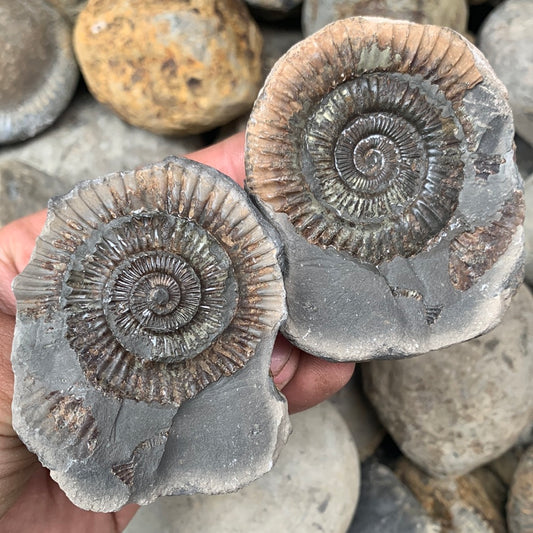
[29, 498]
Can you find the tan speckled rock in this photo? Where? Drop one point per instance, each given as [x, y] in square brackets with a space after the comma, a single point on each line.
[459, 407]
[170, 66]
[452, 13]
[464, 505]
[520, 503]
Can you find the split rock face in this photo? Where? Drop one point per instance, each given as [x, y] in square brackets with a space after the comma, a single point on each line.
[172, 67]
[38, 72]
[453, 410]
[145, 324]
[382, 151]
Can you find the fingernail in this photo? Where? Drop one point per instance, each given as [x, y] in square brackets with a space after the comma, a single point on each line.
[280, 355]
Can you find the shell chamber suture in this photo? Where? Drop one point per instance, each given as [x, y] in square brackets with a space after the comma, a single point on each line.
[365, 149]
[163, 277]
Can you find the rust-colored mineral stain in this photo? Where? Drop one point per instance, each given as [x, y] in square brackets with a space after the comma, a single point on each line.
[473, 253]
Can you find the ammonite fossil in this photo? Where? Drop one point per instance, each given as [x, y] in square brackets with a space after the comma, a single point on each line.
[38, 72]
[145, 323]
[382, 151]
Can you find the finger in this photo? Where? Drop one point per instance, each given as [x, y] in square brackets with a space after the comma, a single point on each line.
[226, 156]
[17, 241]
[7, 324]
[314, 381]
[284, 362]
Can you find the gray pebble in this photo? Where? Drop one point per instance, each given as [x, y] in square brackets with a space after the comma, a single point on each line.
[520, 502]
[457, 408]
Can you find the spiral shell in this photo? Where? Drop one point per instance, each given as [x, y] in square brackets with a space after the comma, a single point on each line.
[382, 151]
[163, 277]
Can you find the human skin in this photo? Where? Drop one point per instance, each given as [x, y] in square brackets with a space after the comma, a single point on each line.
[29, 499]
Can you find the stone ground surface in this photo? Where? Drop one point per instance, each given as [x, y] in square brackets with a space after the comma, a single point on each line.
[313, 487]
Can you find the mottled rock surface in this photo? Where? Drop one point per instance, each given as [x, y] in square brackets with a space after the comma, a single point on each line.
[520, 503]
[24, 190]
[360, 416]
[145, 324]
[312, 488]
[462, 505]
[170, 67]
[528, 228]
[89, 140]
[453, 13]
[457, 408]
[506, 38]
[387, 506]
[38, 72]
[401, 210]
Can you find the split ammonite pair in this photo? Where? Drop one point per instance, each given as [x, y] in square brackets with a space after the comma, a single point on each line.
[380, 155]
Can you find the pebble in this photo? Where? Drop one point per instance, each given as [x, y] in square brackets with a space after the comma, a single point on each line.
[520, 502]
[386, 505]
[25, 190]
[170, 67]
[313, 487]
[506, 39]
[453, 13]
[360, 416]
[38, 72]
[462, 505]
[90, 141]
[459, 407]
[528, 228]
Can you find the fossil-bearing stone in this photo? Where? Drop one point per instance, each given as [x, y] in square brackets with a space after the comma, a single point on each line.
[312, 488]
[382, 151]
[462, 505]
[170, 67]
[520, 502]
[506, 38]
[38, 72]
[387, 505]
[452, 13]
[90, 140]
[24, 190]
[462, 406]
[145, 324]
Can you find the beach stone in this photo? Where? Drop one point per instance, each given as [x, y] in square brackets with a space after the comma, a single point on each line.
[358, 413]
[461, 505]
[24, 190]
[170, 67]
[528, 228]
[70, 9]
[520, 503]
[38, 72]
[89, 140]
[387, 505]
[457, 408]
[506, 39]
[453, 13]
[313, 487]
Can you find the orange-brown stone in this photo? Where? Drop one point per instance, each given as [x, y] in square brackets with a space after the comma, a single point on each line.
[170, 66]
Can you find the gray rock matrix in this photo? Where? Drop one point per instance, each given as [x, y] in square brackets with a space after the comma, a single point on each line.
[143, 338]
[459, 407]
[506, 39]
[314, 486]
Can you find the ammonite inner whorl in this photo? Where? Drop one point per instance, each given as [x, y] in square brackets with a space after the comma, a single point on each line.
[373, 145]
[145, 288]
